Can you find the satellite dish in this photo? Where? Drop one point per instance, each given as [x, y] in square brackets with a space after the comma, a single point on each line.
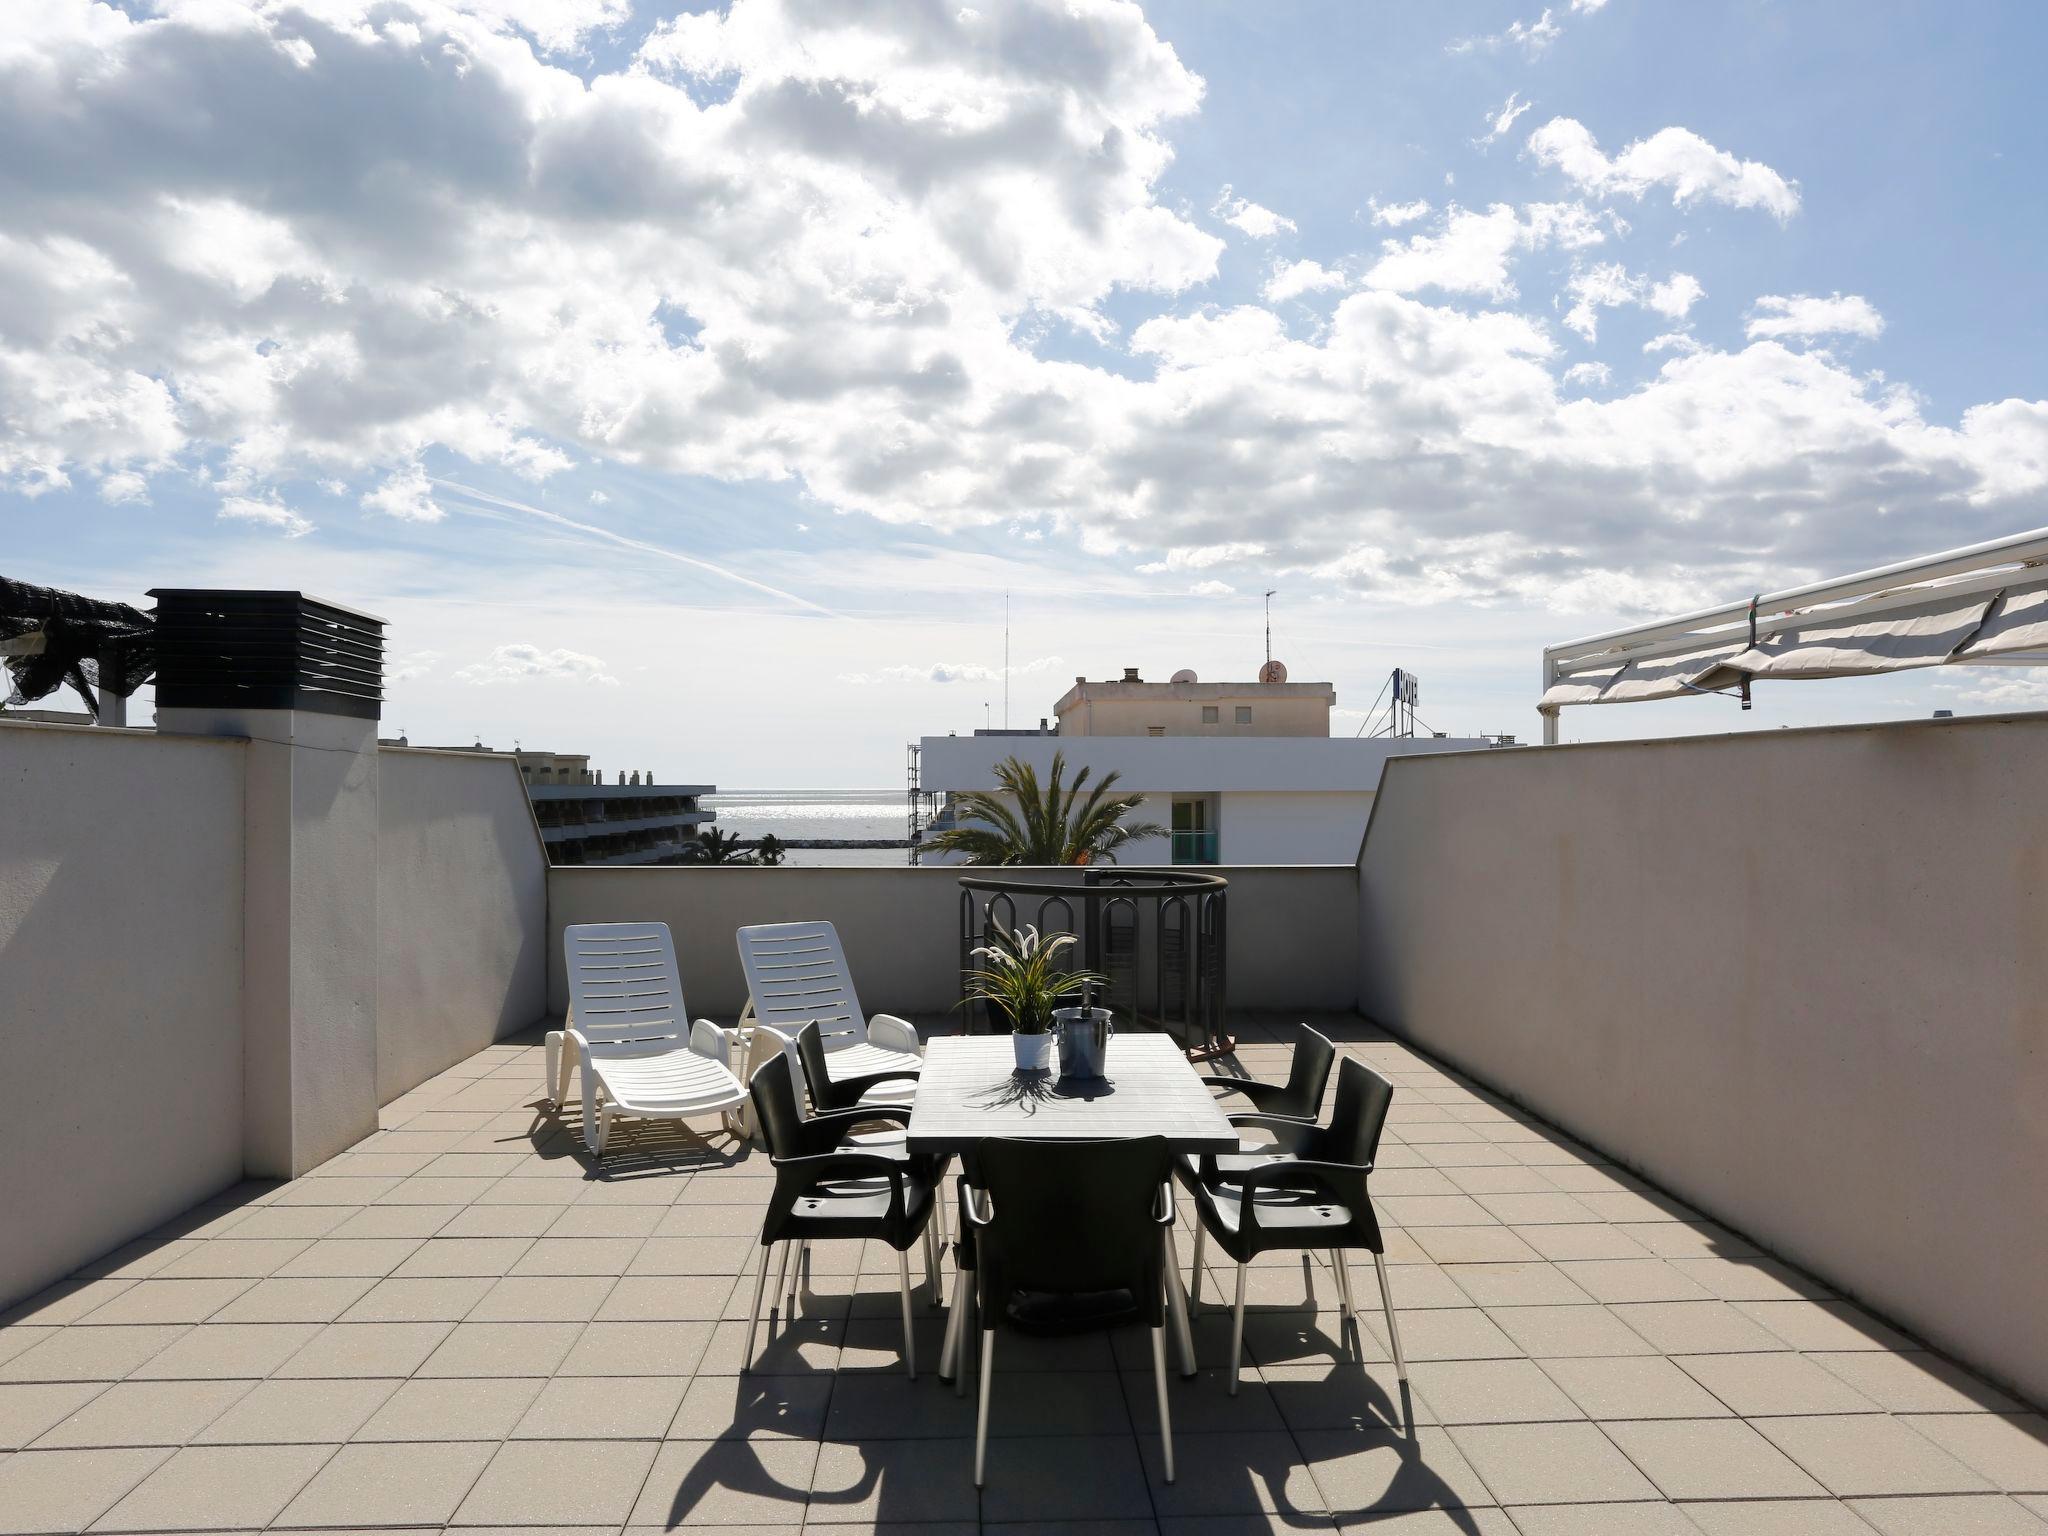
[1184, 675]
[1273, 672]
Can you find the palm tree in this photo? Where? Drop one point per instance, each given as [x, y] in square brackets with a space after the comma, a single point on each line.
[769, 850]
[1023, 824]
[716, 846]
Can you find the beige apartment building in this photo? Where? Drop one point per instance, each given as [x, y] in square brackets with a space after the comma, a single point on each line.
[1130, 706]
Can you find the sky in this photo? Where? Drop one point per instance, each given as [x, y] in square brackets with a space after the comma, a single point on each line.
[692, 387]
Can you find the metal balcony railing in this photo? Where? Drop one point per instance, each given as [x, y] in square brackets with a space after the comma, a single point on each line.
[1194, 847]
[1156, 935]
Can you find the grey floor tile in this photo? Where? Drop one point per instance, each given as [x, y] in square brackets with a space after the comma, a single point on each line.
[1775, 1517]
[1781, 1383]
[886, 1406]
[1695, 1327]
[639, 1349]
[376, 1485]
[307, 1412]
[1711, 1459]
[882, 1482]
[1340, 1395]
[29, 1408]
[559, 1482]
[1515, 1285]
[1822, 1325]
[1633, 1387]
[1060, 1478]
[419, 1301]
[217, 1487]
[1372, 1473]
[451, 1409]
[144, 1413]
[86, 1354]
[1544, 1333]
[1550, 1464]
[726, 1482]
[1640, 1519]
[1234, 1474]
[222, 1350]
[2011, 1450]
[60, 1491]
[614, 1407]
[1854, 1454]
[169, 1301]
[1634, 1280]
[283, 1299]
[366, 1349]
[1491, 1392]
[1913, 1382]
[502, 1349]
[1950, 1515]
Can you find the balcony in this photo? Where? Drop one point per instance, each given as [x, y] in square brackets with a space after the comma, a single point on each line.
[1712, 1197]
[1194, 847]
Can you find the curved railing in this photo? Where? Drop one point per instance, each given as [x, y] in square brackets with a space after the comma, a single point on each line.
[1157, 935]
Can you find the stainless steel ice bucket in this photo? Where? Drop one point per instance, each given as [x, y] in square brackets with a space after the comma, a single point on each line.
[1085, 1034]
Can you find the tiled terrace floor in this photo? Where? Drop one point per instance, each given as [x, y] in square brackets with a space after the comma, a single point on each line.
[457, 1324]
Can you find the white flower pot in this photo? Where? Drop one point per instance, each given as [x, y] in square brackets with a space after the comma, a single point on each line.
[1034, 1052]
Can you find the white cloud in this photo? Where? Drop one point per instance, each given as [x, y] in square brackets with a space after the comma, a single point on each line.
[1500, 121]
[268, 513]
[1471, 251]
[1292, 279]
[1394, 215]
[1202, 556]
[124, 486]
[406, 494]
[949, 672]
[1998, 690]
[1258, 222]
[820, 249]
[519, 663]
[413, 664]
[1804, 315]
[1608, 285]
[1211, 589]
[1676, 158]
[1588, 375]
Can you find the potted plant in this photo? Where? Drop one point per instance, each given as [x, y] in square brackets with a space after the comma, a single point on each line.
[1022, 984]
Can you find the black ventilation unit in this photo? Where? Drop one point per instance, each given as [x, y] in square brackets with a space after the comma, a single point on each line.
[266, 650]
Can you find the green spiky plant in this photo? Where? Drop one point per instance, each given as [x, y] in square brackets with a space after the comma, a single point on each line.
[1054, 824]
[1020, 979]
[715, 845]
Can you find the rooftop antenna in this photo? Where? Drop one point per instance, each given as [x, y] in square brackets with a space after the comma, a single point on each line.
[1271, 593]
[1006, 661]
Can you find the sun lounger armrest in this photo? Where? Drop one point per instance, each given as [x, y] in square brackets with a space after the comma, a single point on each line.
[894, 1034]
[712, 1042]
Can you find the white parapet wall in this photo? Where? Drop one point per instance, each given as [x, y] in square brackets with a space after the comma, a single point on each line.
[1291, 930]
[1799, 978]
[120, 988]
[462, 905]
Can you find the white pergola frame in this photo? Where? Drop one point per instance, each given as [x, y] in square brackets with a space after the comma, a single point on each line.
[1866, 594]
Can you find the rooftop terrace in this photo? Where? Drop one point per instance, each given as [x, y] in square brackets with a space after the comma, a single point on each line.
[459, 1322]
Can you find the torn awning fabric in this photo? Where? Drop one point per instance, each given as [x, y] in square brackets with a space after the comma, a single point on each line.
[86, 643]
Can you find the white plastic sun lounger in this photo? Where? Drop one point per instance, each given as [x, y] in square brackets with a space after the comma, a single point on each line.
[797, 975]
[627, 1030]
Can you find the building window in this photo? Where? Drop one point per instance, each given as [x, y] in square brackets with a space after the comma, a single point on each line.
[1210, 714]
[1244, 714]
[1155, 730]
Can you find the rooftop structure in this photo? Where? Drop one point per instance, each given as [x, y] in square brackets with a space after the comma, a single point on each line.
[1130, 706]
[1710, 1193]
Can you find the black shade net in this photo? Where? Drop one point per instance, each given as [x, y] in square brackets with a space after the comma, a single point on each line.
[87, 643]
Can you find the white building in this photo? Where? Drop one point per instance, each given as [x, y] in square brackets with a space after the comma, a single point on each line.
[1241, 773]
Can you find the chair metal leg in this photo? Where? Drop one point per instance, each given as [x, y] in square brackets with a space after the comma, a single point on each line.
[988, 1370]
[931, 1264]
[970, 1329]
[754, 1314]
[1159, 1387]
[1347, 1304]
[1177, 1306]
[1195, 1279]
[909, 1341]
[1393, 1328]
[950, 1364]
[1237, 1329]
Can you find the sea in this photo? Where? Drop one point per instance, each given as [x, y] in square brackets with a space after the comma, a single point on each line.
[826, 815]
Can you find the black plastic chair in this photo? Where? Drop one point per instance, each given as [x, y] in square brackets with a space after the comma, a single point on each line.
[822, 1191]
[830, 1093]
[1308, 1074]
[1072, 1218]
[1308, 1191]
